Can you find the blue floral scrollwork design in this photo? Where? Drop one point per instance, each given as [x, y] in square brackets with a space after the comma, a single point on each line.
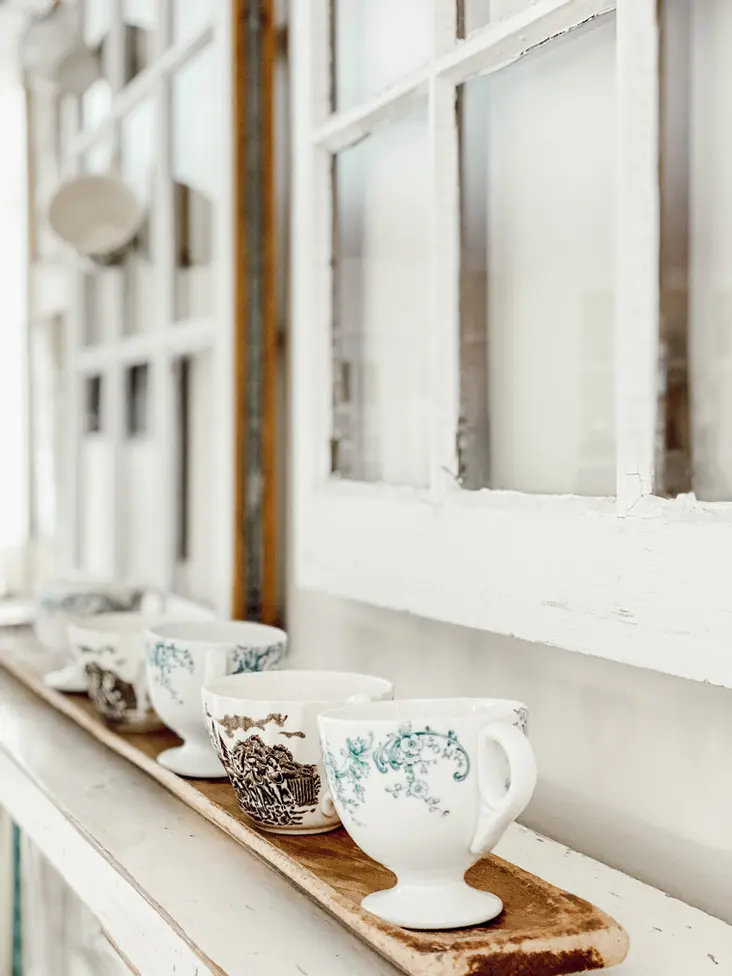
[413, 753]
[257, 658]
[164, 659]
[346, 775]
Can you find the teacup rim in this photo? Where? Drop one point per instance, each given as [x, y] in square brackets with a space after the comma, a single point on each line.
[96, 625]
[210, 694]
[155, 633]
[83, 586]
[366, 713]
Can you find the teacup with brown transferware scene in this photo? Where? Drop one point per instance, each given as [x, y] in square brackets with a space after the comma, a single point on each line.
[264, 729]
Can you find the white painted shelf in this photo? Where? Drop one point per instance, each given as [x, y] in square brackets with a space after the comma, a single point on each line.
[175, 894]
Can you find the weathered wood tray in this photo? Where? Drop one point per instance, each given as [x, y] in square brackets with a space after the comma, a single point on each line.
[543, 930]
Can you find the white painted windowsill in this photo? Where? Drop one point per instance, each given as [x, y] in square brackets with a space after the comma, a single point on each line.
[175, 894]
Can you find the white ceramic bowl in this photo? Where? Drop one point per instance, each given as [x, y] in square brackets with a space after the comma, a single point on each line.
[111, 650]
[264, 729]
[182, 657]
[98, 215]
[59, 601]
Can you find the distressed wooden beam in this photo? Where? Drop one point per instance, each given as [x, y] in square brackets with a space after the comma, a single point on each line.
[256, 421]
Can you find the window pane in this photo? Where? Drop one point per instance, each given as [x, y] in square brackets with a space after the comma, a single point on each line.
[537, 289]
[190, 16]
[139, 476]
[381, 306]
[139, 20]
[136, 398]
[696, 248]
[478, 13]
[376, 43]
[97, 99]
[140, 284]
[93, 417]
[96, 103]
[194, 496]
[197, 126]
[102, 301]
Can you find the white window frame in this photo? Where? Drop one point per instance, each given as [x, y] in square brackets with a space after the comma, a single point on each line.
[636, 579]
[172, 338]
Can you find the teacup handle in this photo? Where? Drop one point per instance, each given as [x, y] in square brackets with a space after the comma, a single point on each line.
[326, 805]
[497, 813]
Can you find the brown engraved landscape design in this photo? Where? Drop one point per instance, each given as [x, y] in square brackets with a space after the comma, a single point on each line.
[272, 787]
[230, 723]
[113, 697]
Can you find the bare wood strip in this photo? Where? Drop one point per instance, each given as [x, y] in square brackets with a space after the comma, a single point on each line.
[543, 932]
[270, 609]
[238, 600]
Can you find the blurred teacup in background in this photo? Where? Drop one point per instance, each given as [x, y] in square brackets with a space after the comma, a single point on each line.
[426, 787]
[264, 729]
[111, 649]
[182, 657]
[60, 601]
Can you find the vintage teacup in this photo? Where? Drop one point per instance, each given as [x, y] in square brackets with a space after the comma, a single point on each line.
[182, 657]
[62, 600]
[111, 649]
[426, 787]
[263, 727]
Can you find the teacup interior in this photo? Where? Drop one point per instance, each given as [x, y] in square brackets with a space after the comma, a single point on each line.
[119, 623]
[230, 633]
[420, 709]
[82, 586]
[297, 686]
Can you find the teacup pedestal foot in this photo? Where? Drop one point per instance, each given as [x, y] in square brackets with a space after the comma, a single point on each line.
[71, 678]
[451, 905]
[193, 762]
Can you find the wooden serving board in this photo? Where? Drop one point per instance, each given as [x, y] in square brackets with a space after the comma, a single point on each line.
[543, 930]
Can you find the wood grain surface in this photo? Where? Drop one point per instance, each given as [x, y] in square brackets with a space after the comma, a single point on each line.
[543, 930]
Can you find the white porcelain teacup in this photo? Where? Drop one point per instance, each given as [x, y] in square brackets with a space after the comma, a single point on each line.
[264, 729]
[426, 787]
[111, 650]
[182, 657]
[60, 601]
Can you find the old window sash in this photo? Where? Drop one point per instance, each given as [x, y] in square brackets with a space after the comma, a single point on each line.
[637, 579]
[171, 340]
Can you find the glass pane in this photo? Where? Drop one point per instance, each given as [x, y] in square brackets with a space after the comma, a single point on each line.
[197, 129]
[136, 397]
[137, 154]
[537, 275]
[101, 287]
[194, 496]
[381, 306]
[96, 103]
[93, 414]
[138, 482]
[139, 20]
[190, 16]
[696, 248]
[375, 43]
[97, 20]
[478, 13]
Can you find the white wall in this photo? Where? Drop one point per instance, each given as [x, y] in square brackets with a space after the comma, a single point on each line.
[634, 765]
[13, 336]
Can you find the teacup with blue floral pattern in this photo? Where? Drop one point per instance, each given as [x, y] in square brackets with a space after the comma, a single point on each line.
[425, 787]
[183, 656]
